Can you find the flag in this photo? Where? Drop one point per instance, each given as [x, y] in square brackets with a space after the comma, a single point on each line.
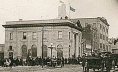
[61, 1]
[72, 9]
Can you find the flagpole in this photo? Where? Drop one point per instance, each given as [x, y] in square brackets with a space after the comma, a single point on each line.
[69, 8]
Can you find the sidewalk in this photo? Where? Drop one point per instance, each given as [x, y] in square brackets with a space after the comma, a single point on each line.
[66, 68]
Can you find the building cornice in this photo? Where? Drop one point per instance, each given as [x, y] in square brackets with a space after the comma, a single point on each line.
[70, 24]
[102, 19]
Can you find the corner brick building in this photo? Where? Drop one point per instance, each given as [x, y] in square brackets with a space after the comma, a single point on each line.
[23, 38]
[100, 29]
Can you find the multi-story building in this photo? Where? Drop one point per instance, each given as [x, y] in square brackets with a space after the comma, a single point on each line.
[100, 29]
[26, 38]
[113, 42]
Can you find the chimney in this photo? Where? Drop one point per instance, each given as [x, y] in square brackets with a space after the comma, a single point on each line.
[66, 17]
[62, 11]
[20, 19]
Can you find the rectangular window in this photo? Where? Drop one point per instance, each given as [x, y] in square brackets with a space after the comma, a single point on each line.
[69, 35]
[59, 34]
[103, 29]
[86, 24]
[107, 31]
[24, 35]
[45, 34]
[106, 38]
[107, 47]
[34, 35]
[104, 47]
[100, 26]
[100, 36]
[94, 24]
[79, 38]
[10, 47]
[11, 36]
[103, 37]
[94, 35]
[101, 45]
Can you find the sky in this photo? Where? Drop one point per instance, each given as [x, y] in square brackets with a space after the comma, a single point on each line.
[13, 10]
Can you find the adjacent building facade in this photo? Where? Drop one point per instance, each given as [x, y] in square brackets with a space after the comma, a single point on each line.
[26, 38]
[114, 45]
[100, 28]
[2, 46]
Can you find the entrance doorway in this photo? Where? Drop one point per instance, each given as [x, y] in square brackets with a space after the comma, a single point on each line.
[24, 51]
[34, 51]
[44, 51]
[59, 51]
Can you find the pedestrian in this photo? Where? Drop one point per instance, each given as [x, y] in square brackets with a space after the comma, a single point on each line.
[14, 62]
[83, 61]
[62, 58]
[69, 60]
[37, 61]
[45, 61]
[2, 62]
[58, 61]
[65, 60]
[53, 61]
[11, 63]
[7, 62]
[107, 65]
[113, 64]
[48, 61]
[78, 59]
[40, 60]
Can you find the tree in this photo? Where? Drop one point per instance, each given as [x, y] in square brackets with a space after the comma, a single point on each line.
[115, 41]
[87, 33]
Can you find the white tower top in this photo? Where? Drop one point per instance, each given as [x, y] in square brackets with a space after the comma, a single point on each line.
[62, 11]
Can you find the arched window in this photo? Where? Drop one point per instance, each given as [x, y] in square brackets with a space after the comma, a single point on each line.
[34, 51]
[59, 51]
[10, 52]
[10, 47]
[24, 51]
[44, 51]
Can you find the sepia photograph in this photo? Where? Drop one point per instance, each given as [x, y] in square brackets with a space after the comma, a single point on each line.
[58, 36]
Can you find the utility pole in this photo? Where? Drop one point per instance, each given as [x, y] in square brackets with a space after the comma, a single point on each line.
[91, 38]
[42, 44]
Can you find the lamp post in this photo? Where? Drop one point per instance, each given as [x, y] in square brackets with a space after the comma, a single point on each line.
[51, 47]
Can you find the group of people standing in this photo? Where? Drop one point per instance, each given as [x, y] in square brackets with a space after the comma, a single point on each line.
[46, 61]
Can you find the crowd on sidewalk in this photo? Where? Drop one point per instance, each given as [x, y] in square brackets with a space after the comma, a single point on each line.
[33, 61]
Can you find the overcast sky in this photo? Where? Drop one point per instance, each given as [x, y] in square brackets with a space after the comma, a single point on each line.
[11, 10]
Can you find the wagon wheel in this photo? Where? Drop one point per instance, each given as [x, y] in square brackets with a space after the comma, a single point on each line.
[83, 68]
[86, 69]
[93, 69]
[102, 69]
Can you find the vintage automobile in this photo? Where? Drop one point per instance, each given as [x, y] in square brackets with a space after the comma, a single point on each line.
[93, 63]
[102, 62]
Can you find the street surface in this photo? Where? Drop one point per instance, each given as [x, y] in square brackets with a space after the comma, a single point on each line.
[66, 68]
